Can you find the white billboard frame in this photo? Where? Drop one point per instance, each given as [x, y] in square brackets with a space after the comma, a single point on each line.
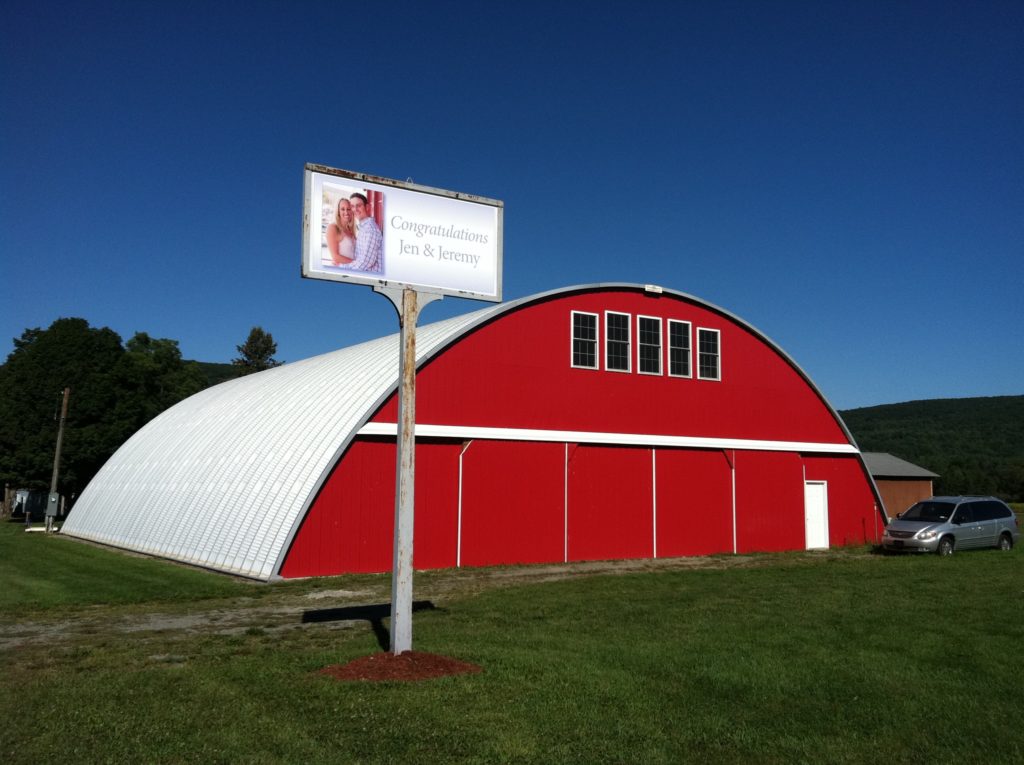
[453, 245]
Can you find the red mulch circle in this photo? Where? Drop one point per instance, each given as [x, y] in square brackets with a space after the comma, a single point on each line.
[405, 667]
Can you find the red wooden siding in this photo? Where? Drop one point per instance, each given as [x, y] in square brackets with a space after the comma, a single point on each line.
[437, 504]
[350, 527]
[694, 503]
[769, 501]
[899, 494]
[610, 503]
[515, 372]
[512, 503]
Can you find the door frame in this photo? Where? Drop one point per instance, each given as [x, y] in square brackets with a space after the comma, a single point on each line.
[822, 508]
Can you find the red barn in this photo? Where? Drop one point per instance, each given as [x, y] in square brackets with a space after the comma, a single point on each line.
[594, 422]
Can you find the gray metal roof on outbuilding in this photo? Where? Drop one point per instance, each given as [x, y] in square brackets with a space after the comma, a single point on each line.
[883, 465]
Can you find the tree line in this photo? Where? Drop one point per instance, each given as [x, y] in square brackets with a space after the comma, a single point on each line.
[116, 388]
[976, 445]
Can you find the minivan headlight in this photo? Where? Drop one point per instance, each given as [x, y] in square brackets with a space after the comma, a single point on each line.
[926, 535]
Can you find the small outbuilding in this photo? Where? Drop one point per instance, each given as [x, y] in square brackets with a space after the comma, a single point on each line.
[900, 483]
[594, 422]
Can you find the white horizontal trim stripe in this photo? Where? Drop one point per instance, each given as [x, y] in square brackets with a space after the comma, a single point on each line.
[466, 432]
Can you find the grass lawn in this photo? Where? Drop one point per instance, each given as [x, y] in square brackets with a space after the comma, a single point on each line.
[805, 657]
[38, 571]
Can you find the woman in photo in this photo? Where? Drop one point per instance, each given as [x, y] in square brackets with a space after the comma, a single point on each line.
[341, 234]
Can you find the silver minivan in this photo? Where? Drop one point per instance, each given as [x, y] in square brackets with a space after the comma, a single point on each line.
[945, 524]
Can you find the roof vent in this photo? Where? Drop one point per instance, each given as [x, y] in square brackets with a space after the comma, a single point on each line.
[653, 288]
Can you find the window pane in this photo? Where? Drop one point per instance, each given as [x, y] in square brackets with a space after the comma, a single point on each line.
[584, 340]
[618, 356]
[679, 348]
[707, 354]
[585, 327]
[650, 359]
[618, 327]
[617, 334]
[583, 354]
[650, 331]
[650, 345]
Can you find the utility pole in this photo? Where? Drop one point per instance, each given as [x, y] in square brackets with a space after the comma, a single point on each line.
[53, 501]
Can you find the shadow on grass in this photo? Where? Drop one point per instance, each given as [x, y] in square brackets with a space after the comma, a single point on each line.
[879, 550]
[375, 615]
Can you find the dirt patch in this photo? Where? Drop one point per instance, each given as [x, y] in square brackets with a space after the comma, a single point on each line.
[341, 608]
[409, 666]
[321, 594]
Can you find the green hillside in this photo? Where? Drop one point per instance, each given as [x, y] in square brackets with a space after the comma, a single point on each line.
[976, 445]
[216, 373]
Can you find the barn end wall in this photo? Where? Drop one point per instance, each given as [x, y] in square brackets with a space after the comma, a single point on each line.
[513, 498]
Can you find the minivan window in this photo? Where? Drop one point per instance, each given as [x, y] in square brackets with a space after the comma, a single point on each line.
[965, 514]
[934, 512]
[993, 510]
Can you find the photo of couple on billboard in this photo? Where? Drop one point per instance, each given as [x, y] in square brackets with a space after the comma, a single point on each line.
[352, 237]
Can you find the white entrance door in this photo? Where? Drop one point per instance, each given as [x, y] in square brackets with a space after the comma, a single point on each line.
[816, 514]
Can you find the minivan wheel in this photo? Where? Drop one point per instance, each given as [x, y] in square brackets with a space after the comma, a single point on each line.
[945, 546]
[1005, 543]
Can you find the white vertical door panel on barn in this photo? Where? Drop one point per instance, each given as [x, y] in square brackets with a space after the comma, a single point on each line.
[816, 514]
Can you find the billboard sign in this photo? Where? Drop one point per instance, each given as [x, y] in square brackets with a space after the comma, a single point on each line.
[369, 230]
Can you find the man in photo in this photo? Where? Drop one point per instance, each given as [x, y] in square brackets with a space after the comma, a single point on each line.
[369, 239]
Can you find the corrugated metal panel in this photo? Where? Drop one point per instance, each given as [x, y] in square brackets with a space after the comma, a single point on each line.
[884, 465]
[223, 478]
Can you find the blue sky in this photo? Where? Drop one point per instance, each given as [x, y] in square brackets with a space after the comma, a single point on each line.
[846, 176]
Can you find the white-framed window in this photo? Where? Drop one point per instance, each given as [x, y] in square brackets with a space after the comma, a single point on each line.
[679, 350]
[617, 342]
[584, 340]
[709, 354]
[648, 344]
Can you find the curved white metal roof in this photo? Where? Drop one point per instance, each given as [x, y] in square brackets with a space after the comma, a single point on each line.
[224, 478]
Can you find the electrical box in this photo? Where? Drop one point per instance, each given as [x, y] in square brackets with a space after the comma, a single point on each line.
[53, 506]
